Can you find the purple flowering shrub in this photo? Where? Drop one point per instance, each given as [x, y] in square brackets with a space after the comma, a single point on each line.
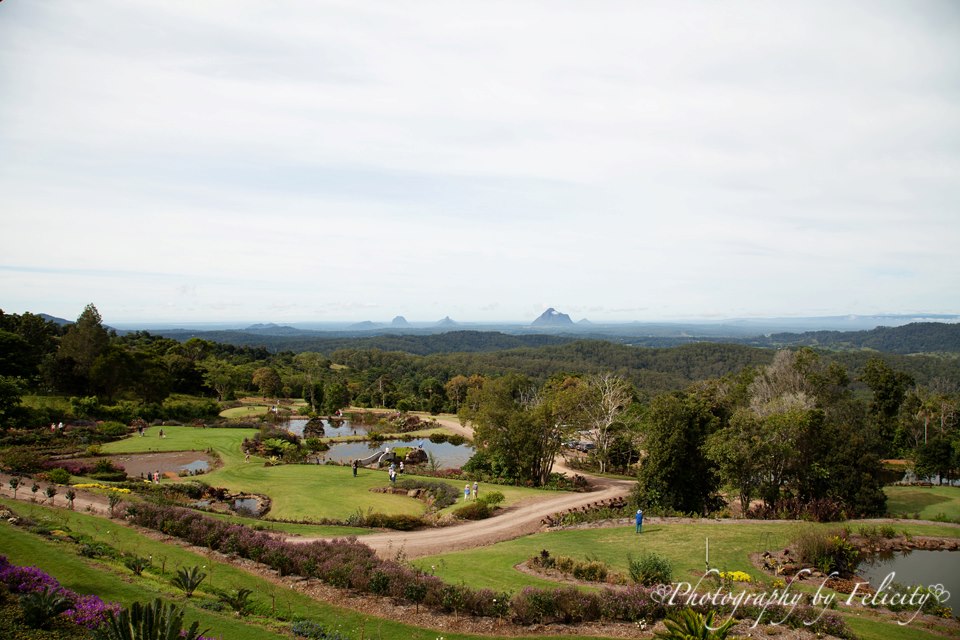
[90, 611]
[85, 610]
[27, 579]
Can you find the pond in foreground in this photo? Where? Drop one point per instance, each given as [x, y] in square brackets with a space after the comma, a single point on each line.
[918, 567]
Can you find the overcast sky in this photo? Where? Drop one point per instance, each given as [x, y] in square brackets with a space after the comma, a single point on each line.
[308, 161]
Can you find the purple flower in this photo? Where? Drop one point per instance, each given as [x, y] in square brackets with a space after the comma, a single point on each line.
[28, 580]
[87, 611]
[90, 611]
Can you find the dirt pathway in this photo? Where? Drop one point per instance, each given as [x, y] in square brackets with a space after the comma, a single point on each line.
[86, 501]
[513, 522]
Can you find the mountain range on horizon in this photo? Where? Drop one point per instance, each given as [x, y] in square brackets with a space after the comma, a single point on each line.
[553, 320]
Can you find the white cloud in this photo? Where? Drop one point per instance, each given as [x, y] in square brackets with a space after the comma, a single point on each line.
[646, 160]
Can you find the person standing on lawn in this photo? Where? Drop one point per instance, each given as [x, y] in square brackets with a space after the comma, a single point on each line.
[639, 520]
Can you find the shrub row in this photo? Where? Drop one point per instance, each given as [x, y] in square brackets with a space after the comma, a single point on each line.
[397, 521]
[818, 510]
[442, 493]
[589, 570]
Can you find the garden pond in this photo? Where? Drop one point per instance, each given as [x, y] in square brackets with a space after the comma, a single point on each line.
[918, 567]
[330, 430]
[448, 456]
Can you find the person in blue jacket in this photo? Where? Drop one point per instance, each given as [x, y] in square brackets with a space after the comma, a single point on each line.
[639, 520]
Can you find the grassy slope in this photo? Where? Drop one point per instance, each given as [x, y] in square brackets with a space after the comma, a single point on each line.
[246, 411]
[118, 584]
[730, 546]
[683, 544]
[926, 501]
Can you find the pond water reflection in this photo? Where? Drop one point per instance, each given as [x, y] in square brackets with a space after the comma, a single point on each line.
[449, 456]
[918, 567]
[341, 428]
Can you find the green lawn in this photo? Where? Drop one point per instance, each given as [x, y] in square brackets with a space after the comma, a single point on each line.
[297, 492]
[928, 502]
[683, 544]
[113, 582]
[226, 442]
[246, 411]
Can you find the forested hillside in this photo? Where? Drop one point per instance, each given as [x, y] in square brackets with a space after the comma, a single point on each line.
[328, 342]
[917, 337]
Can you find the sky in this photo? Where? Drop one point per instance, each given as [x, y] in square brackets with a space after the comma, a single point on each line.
[342, 161]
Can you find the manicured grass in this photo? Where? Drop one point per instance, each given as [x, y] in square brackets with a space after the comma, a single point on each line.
[313, 492]
[683, 544]
[297, 492]
[115, 583]
[246, 411]
[929, 502]
[226, 442]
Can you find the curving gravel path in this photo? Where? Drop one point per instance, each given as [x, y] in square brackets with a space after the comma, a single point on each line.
[513, 522]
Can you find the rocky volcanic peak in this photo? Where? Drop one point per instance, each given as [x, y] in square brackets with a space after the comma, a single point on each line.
[399, 321]
[552, 317]
[446, 322]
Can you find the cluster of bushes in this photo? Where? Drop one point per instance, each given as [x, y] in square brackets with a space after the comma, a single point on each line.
[580, 516]
[103, 469]
[398, 521]
[828, 551]
[314, 631]
[874, 534]
[481, 508]
[650, 569]
[44, 601]
[453, 438]
[126, 411]
[818, 510]
[486, 468]
[589, 570]
[272, 441]
[441, 494]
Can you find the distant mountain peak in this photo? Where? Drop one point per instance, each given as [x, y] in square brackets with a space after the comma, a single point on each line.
[399, 321]
[268, 325]
[447, 322]
[552, 318]
[54, 319]
[364, 326]
[583, 321]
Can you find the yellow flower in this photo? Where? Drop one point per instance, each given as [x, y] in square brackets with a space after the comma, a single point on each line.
[736, 576]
